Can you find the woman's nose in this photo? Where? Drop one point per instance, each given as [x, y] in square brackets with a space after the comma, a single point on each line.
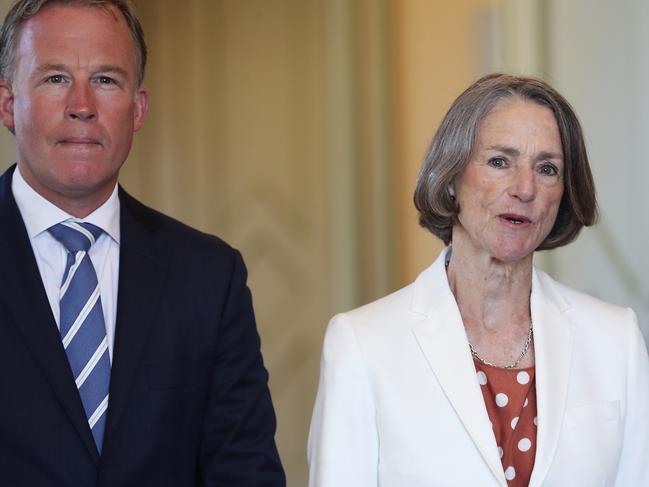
[523, 184]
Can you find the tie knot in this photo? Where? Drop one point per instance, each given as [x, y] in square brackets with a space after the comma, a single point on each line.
[75, 236]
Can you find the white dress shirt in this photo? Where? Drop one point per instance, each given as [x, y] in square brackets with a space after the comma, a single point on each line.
[51, 256]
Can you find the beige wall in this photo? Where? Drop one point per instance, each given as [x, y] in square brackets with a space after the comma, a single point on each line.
[268, 127]
[294, 129]
[435, 54]
[238, 144]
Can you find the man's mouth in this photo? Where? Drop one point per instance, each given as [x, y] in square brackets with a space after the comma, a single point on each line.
[79, 141]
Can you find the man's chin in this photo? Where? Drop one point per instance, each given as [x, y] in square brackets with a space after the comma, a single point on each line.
[76, 193]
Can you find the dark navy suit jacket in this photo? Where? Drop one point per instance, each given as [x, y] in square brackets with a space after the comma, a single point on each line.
[189, 402]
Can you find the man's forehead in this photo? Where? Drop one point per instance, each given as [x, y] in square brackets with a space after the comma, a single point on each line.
[60, 12]
[60, 27]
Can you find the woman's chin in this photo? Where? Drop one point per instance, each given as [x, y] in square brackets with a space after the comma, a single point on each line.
[513, 254]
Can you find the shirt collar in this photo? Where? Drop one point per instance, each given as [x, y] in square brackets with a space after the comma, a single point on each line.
[39, 214]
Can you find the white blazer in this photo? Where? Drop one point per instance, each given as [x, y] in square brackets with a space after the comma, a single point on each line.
[399, 404]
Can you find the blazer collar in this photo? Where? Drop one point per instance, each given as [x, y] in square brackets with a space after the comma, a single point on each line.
[553, 349]
[21, 289]
[443, 341]
[141, 279]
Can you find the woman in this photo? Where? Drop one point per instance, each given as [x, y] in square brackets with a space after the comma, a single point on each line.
[484, 371]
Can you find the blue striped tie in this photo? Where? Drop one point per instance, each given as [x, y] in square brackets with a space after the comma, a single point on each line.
[82, 323]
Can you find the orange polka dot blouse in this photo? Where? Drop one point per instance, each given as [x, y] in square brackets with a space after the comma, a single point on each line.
[510, 398]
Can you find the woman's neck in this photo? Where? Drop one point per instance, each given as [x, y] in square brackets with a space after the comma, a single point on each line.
[494, 301]
[489, 292]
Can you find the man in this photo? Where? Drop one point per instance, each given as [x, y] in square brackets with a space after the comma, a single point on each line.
[129, 354]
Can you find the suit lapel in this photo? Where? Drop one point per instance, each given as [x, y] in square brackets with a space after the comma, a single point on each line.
[141, 275]
[553, 347]
[23, 294]
[443, 341]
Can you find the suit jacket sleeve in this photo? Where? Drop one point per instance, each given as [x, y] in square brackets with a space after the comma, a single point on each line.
[238, 447]
[343, 440]
[634, 464]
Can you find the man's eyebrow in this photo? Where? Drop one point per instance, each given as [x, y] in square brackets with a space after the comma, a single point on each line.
[104, 68]
[50, 67]
[109, 68]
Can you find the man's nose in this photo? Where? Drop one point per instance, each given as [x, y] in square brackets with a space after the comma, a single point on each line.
[523, 185]
[81, 103]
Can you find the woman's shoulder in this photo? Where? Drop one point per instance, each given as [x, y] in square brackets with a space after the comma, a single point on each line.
[581, 306]
[380, 312]
[406, 305]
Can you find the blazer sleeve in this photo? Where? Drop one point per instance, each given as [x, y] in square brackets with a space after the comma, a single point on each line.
[238, 446]
[634, 458]
[343, 438]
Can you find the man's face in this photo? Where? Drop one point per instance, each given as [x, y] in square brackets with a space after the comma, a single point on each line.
[73, 103]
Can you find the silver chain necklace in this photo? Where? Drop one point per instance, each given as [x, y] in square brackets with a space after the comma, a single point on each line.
[526, 347]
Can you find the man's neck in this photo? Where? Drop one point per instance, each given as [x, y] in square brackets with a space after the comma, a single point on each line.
[79, 204]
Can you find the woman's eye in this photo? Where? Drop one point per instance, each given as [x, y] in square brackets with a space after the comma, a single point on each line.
[497, 162]
[548, 170]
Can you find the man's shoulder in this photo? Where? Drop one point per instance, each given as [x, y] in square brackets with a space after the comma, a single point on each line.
[169, 234]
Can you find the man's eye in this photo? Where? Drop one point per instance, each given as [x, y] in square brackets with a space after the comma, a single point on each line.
[105, 80]
[56, 79]
[497, 162]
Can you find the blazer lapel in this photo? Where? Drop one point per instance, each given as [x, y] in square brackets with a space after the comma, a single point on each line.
[141, 274]
[553, 347]
[443, 341]
[22, 291]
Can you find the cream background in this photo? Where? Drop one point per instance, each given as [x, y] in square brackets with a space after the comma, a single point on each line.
[294, 129]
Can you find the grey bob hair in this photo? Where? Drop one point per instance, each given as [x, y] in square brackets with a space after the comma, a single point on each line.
[452, 147]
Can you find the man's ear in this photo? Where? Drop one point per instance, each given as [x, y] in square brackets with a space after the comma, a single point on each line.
[7, 105]
[141, 108]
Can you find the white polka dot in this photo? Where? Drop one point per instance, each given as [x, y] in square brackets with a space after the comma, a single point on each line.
[502, 399]
[482, 378]
[514, 422]
[510, 473]
[525, 403]
[523, 377]
[500, 451]
[525, 444]
[535, 423]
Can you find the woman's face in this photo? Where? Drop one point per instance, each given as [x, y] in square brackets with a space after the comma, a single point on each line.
[510, 191]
